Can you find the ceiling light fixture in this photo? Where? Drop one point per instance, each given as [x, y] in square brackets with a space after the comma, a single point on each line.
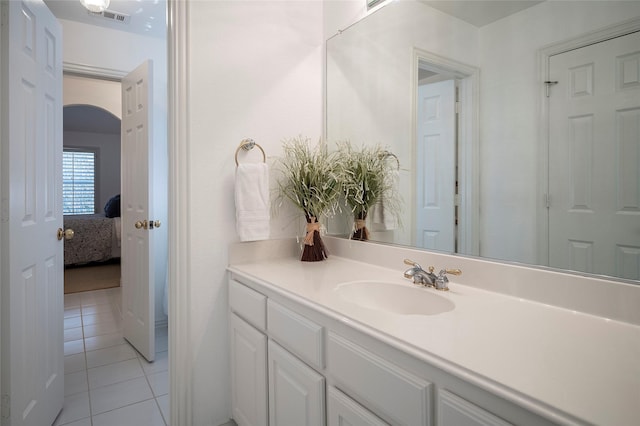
[95, 6]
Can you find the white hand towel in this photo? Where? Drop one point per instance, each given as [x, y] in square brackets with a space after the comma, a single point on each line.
[252, 201]
[382, 218]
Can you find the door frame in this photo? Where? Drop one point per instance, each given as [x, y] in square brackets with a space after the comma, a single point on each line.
[544, 56]
[179, 256]
[468, 143]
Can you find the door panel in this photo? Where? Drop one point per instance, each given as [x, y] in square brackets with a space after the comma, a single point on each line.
[32, 273]
[436, 166]
[594, 158]
[138, 289]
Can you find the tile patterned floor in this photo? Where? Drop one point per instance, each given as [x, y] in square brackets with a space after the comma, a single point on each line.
[107, 383]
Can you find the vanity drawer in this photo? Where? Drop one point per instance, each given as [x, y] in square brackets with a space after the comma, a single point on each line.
[394, 394]
[248, 304]
[342, 410]
[297, 333]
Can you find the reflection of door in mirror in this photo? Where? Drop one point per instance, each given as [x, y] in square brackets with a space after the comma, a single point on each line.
[435, 170]
[594, 158]
[443, 190]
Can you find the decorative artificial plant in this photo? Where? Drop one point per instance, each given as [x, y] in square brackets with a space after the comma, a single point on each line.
[365, 180]
[310, 181]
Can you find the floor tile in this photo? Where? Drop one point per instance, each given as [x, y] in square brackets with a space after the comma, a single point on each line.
[108, 380]
[74, 363]
[72, 334]
[114, 373]
[118, 395]
[96, 309]
[110, 355]
[107, 327]
[159, 383]
[72, 312]
[103, 341]
[161, 363]
[73, 347]
[75, 407]
[83, 422]
[75, 383]
[72, 322]
[101, 317]
[144, 413]
[163, 402]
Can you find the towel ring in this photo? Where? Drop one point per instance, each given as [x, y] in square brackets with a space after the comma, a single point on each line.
[387, 154]
[247, 145]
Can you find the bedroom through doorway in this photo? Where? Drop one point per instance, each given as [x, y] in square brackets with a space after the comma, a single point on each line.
[91, 184]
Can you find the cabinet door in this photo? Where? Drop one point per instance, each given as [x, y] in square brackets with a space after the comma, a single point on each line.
[248, 374]
[455, 411]
[296, 392]
[343, 411]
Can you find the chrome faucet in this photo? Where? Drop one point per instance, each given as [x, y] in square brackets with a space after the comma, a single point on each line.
[419, 275]
[428, 278]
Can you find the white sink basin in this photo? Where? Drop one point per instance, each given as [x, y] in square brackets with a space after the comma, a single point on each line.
[403, 299]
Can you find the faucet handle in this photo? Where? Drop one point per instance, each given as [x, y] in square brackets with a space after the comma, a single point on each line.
[412, 263]
[442, 280]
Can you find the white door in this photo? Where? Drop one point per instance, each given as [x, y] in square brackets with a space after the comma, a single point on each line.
[32, 267]
[436, 166]
[138, 288]
[594, 158]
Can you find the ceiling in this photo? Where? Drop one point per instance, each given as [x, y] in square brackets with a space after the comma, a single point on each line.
[481, 12]
[145, 17]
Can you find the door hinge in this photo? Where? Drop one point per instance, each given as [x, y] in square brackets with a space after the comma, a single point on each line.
[457, 107]
[548, 84]
[547, 200]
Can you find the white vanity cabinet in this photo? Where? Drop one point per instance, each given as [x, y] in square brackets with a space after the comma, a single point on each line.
[294, 363]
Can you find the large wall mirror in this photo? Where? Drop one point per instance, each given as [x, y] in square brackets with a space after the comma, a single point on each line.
[516, 125]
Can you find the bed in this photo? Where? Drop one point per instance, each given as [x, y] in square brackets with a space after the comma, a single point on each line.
[96, 239]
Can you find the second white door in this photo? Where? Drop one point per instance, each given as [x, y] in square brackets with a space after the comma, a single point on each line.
[138, 283]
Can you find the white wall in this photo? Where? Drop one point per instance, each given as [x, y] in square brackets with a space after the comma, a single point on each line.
[509, 115]
[255, 71]
[122, 51]
[80, 90]
[108, 166]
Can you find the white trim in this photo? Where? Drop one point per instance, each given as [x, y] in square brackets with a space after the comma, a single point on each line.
[93, 71]
[180, 342]
[544, 54]
[468, 143]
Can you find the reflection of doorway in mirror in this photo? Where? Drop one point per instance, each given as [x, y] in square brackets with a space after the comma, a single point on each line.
[594, 158]
[436, 164]
[444, 198]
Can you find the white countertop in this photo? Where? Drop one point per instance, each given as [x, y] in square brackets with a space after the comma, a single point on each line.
[548, 359]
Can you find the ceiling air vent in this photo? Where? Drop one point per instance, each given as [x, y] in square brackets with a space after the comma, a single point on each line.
[112, 16]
